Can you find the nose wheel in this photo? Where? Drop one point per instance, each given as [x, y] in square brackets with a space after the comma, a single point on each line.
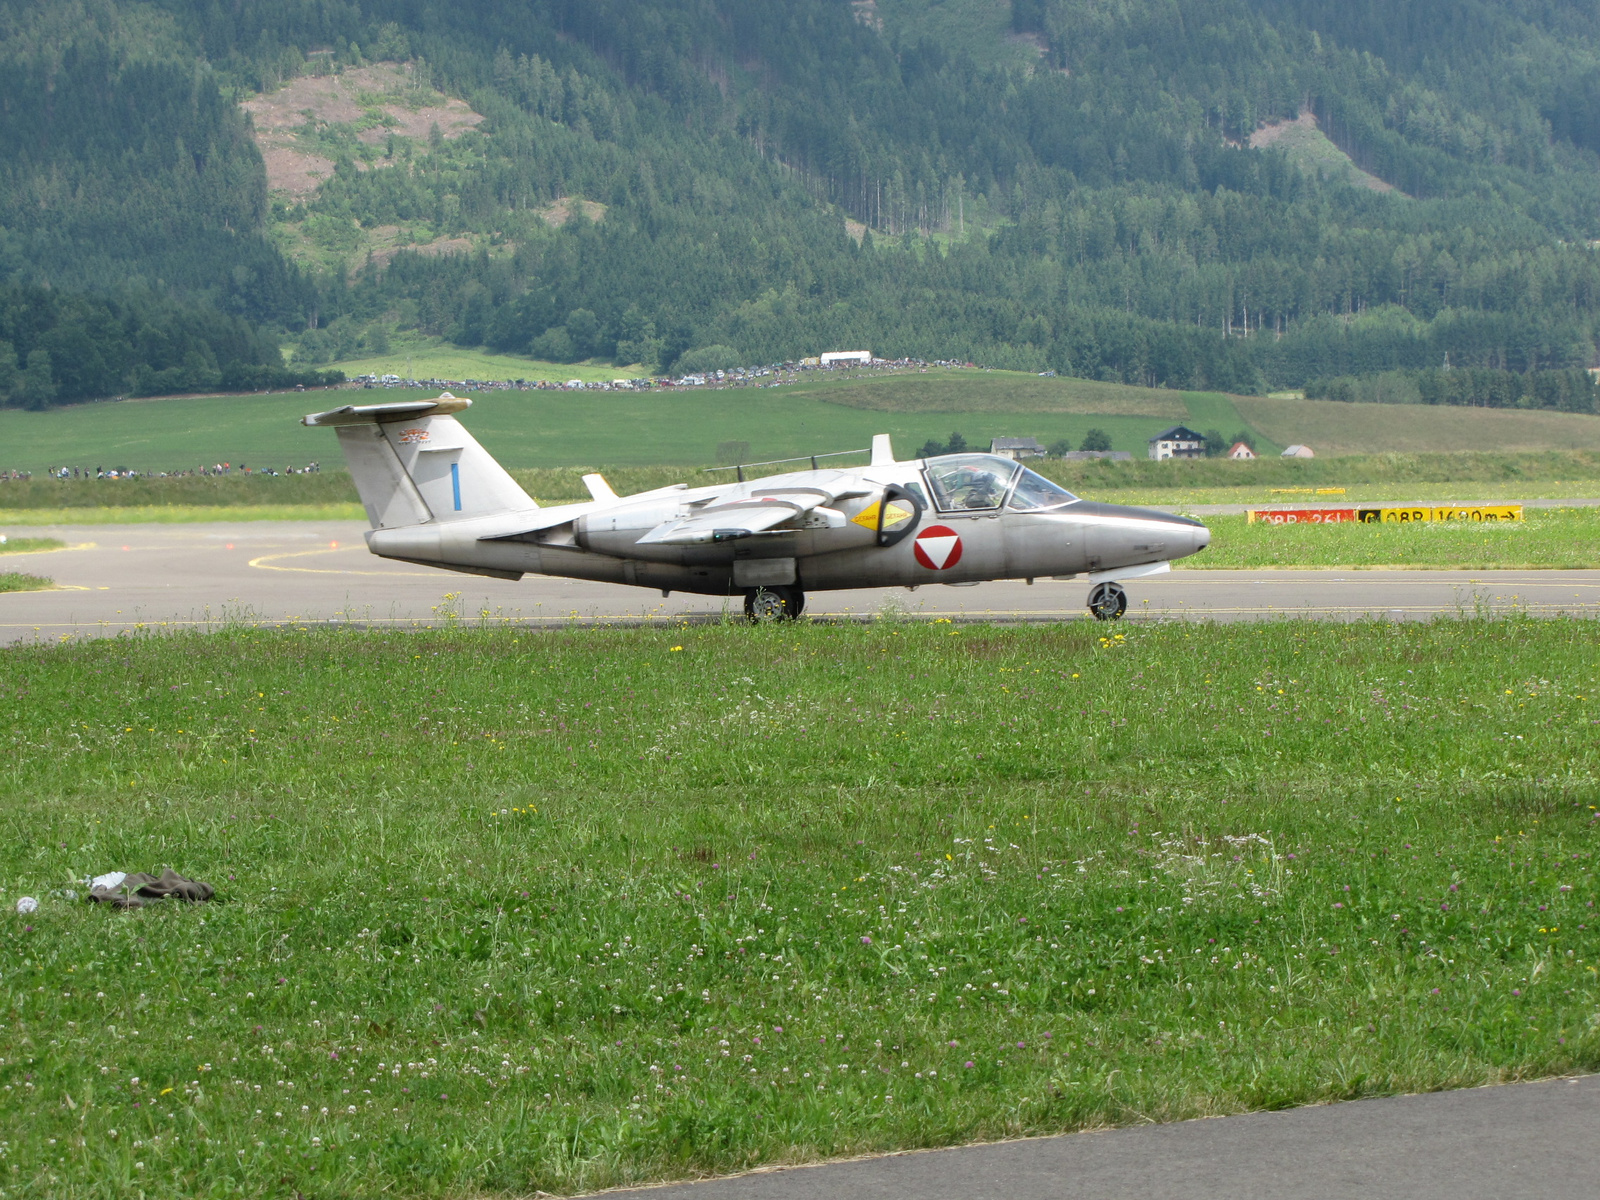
[773, 603]
[1107, 601]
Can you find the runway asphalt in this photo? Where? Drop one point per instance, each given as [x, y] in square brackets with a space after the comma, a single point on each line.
[1530, 1141]
[115, 578]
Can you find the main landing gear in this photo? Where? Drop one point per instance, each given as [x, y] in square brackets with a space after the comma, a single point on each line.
[773, 603]
[1107, 601]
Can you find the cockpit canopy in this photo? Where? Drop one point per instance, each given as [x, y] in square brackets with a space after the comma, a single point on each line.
[973, 482]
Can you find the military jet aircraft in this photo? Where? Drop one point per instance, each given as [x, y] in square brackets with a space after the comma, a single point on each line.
[435, 497]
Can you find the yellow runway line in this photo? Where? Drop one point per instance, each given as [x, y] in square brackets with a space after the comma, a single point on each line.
[264, 563]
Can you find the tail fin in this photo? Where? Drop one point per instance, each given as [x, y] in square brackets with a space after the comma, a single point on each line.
[413, 462]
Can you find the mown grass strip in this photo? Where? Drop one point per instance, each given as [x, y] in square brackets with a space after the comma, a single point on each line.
[30, 545]
[504, 911]
[171, 514]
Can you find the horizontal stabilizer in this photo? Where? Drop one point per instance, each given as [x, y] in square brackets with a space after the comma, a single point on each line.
[400, 410]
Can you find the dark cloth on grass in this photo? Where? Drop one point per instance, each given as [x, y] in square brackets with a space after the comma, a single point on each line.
[139, 887]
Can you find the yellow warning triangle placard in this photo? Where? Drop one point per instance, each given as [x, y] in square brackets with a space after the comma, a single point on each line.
[896, 513]
[893, 515]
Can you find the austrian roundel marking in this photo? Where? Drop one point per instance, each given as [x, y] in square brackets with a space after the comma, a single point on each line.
[938, 547]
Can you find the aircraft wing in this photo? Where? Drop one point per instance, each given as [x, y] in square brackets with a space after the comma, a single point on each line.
[764, 510]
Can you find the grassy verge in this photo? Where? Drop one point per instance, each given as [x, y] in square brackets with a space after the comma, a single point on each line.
[21, 581]
[200, 491]
[1549, 538]
[510, 911]
[181, 513]
[30, 545]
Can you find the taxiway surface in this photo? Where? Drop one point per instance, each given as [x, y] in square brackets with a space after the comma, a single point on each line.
[114, 578]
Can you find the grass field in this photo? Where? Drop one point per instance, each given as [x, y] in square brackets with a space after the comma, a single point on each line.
[523, 429]
[437, 359]
[22, 545]
[836, 412]
[506, 911]
[1004, 393]
[1558, 538]
[1334, 428]
[1211, 410]
[179, 514]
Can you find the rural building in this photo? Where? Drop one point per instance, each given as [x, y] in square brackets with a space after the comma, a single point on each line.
[1086, 455]
[1240, 450]
[1298, 451]
[837, 357]
[1016, 449]
[1177, 442]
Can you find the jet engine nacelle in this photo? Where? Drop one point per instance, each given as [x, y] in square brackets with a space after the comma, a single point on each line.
[617, 531]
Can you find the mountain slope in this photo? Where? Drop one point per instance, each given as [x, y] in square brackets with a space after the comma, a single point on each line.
[1049, 183]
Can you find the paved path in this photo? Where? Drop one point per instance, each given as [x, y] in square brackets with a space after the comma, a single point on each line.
[1532, 1141]
[120, 577]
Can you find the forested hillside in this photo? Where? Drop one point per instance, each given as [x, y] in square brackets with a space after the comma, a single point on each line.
[1081, 185]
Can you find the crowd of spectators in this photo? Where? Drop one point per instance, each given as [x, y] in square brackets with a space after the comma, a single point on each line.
[222, 468]
[775, 375]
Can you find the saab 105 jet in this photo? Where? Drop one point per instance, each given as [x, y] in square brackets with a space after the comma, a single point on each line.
[435, 497]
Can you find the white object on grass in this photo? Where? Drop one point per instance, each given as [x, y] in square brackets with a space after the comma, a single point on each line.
[110, 879]
[27, 904]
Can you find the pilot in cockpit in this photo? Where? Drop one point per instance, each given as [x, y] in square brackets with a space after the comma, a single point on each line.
[976, 487]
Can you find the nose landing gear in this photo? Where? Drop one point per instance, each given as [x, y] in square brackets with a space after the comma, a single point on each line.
[773, 603]
[1107, 601]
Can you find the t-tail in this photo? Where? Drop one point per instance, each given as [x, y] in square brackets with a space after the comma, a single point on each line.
[414, 463]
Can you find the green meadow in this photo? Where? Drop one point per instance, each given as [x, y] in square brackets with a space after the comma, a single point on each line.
[504, 911]
[555, 428]
[819, 413]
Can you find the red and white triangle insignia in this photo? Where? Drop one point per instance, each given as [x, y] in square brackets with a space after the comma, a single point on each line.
[938, 547]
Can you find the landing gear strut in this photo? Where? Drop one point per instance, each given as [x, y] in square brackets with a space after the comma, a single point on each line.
[1107, 601]
[773, 603]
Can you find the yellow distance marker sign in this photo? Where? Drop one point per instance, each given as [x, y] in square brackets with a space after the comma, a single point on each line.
[1386, 516]
[1474, 512]
[1479, 512]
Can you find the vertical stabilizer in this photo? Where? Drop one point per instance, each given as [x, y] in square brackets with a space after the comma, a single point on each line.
[413, 462]
[882, 451]
[387, 493]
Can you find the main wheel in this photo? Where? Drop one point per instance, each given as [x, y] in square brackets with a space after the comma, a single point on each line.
[773, 603]
[1107, 601]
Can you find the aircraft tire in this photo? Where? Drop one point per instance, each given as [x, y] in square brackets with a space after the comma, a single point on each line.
[1107, 601]
[763, 604]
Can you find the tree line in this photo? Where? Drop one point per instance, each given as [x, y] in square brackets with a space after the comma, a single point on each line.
[64, 348]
